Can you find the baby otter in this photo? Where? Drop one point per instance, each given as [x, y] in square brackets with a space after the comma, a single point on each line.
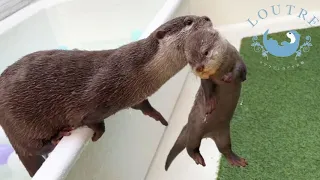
[222, 71]
[210, 57]
[47, 92]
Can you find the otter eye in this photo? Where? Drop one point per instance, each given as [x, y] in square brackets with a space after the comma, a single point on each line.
[188, 22]
[206, 53]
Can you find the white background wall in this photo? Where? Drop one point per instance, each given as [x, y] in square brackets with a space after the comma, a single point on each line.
[235, 11]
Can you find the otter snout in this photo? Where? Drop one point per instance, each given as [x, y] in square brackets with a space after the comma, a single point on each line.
[204, 71]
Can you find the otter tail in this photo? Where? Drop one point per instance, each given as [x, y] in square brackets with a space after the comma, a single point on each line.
[177, 148]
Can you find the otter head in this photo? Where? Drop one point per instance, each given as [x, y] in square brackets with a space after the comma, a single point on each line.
[205, 51]
[180, 27]
[171, 36]
[169, 40]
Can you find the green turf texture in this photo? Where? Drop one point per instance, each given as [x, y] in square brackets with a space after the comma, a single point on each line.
[277, 127]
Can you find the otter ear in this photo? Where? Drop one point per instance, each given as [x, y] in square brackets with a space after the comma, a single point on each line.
[160, 34]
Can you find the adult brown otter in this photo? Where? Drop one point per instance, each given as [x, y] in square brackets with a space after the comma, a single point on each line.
[222, 72]
[46, 92]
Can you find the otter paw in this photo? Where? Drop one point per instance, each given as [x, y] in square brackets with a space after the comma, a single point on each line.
[98, 130]
[235, 160]
[227, 77]
[157, 116]
[97, 135]
[64, 132]
[197, 157]
[210, 105]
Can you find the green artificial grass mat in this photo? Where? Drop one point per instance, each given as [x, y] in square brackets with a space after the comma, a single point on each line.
[276, 125]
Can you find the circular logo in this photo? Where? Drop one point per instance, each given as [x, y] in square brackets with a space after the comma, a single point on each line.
[284, 55]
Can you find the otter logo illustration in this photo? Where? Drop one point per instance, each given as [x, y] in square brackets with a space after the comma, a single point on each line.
[285, 48]
[278, 53]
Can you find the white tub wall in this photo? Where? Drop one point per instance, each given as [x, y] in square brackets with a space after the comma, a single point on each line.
[224, 12]
[86, 22]
[33, 34]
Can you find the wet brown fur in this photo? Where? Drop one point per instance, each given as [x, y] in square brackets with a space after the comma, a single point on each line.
[216, 124]
[46, 91]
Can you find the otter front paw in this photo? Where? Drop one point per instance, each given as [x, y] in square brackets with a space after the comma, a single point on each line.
[227, 77]
[97, 135]
[98, 129]
[157, 116]
[210, 105]
[64, 132]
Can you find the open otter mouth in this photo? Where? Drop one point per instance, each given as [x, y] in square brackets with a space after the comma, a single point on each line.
[206, 73]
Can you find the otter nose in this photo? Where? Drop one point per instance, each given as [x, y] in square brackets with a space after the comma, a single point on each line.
[200, 68]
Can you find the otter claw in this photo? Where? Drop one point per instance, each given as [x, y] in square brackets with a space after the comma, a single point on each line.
[211, 105]
[227, 78]
[199, 159]
[64, 132]
[157, 116]
[97, 135]
[235, 160]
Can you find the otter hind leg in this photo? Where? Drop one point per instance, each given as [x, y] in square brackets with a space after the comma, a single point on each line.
[148, 110]
[223, 143]
[195, 134]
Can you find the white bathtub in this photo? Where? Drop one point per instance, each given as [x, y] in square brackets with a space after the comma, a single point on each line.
[134, 147]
